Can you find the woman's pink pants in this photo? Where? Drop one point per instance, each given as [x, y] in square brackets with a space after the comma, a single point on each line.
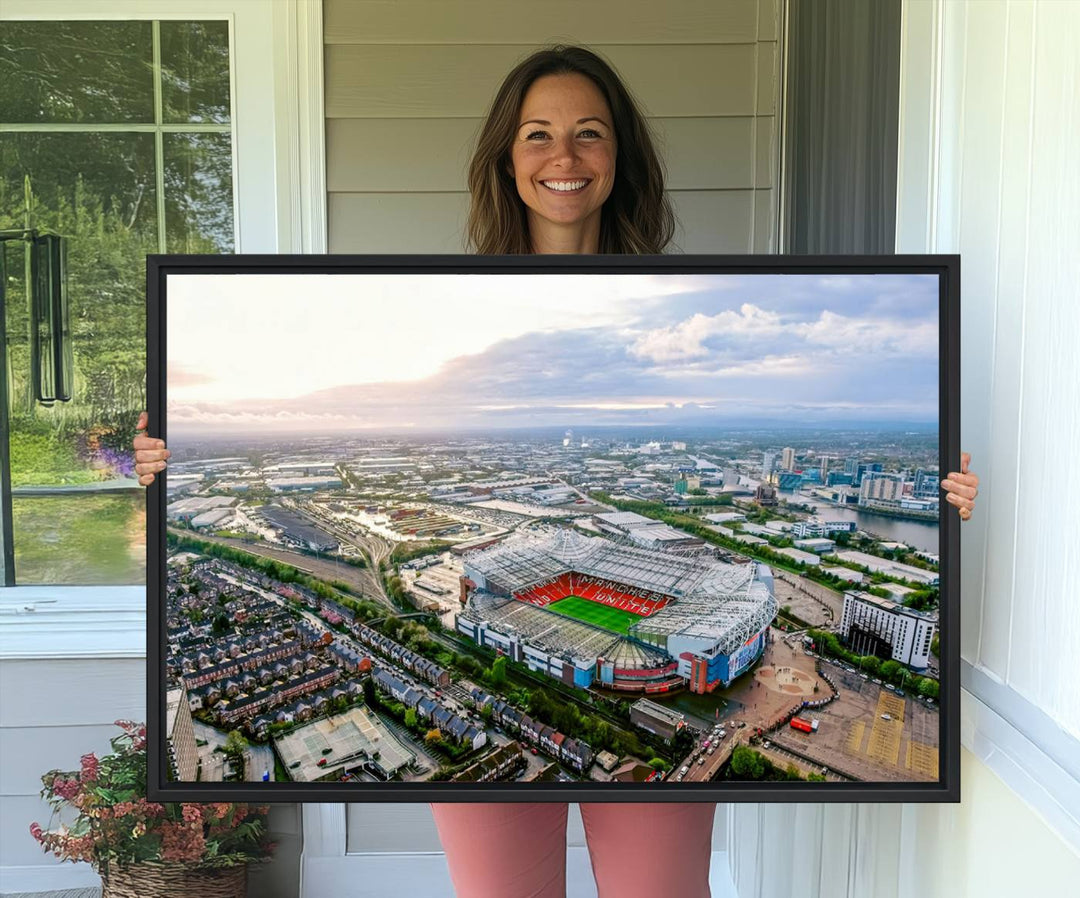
[504, 850]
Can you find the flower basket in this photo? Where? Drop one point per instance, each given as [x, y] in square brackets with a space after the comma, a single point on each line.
[173, 880]
[142, 848]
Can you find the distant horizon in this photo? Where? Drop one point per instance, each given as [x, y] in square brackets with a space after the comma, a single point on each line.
[669, 433]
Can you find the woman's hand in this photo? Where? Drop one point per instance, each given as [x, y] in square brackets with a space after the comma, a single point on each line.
[962, 487]
[150, 454]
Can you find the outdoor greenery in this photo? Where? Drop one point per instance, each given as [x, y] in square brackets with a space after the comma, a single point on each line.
[98, 189]
[889, 671]
[407, 551]
[277, 570]
[747, 764]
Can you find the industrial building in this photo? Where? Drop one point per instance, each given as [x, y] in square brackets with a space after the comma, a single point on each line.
[645, 531]
[663, 722]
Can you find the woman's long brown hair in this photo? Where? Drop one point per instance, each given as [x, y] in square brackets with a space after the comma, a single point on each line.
[637, 216]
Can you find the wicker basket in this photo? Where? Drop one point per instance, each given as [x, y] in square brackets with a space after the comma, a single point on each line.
[170, 880]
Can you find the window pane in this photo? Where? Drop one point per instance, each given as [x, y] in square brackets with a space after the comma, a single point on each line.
[198, 193]
[76, 72]
[84, 540]
[79, 515]
[195, 71]
[98, 191]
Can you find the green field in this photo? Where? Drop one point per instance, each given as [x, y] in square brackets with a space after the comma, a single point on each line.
[614, 619]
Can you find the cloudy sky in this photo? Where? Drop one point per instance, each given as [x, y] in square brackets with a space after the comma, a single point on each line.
[323, 353]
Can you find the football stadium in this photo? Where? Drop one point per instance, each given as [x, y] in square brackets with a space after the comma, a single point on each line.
[591, 610]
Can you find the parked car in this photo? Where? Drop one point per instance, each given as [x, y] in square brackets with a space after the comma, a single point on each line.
[886, 717]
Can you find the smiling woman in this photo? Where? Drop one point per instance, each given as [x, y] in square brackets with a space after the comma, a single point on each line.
[565, 163]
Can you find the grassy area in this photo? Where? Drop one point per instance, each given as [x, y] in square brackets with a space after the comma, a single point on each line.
[614, 619]
[81, 539]
[407, 551]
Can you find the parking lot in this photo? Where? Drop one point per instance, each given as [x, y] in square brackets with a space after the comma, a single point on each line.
[870, 732]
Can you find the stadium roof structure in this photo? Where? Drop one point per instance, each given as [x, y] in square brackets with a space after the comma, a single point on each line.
[715, 601]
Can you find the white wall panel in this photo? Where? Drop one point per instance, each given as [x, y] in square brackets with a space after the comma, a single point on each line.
[713, 221]
[459, 80]
[979, 161]
[1045, 622]
[396, 154]
[518, 22]
[1013, 219]
[397, 222]
[1008, 200]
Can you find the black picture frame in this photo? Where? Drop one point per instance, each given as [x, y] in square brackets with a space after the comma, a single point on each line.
[946, 789]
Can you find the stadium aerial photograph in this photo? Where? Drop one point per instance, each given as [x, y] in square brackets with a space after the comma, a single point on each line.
[552, 528]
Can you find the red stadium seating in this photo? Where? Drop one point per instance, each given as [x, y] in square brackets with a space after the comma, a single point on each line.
[606, 592]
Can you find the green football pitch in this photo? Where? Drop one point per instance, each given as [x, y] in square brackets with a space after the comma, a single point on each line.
[614, 619]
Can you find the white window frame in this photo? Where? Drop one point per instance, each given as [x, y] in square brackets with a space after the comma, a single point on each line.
[276, 89]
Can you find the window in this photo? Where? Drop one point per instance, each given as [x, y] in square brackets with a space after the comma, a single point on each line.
[118, 136]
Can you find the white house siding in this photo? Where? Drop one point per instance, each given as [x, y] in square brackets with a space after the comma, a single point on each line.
[408, 83]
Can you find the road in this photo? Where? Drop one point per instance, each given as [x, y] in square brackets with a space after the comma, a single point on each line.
[702, 773]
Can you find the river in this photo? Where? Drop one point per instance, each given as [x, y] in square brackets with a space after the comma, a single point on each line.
[921, 535]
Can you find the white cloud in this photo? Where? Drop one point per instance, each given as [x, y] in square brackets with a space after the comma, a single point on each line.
[686, 340]
[877, 335]
[699, 336]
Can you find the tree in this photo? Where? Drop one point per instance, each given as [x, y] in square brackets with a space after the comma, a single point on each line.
[498, 671]
[410, 718]
[221, 624]
[235, 744]
[433, 737]
[747, 763]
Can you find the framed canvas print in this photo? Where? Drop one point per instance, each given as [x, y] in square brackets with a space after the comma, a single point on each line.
[553, 528]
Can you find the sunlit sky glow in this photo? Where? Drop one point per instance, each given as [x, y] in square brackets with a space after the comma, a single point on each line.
[342, 352]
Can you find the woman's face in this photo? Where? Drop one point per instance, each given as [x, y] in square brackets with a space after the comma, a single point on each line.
[563, 154]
